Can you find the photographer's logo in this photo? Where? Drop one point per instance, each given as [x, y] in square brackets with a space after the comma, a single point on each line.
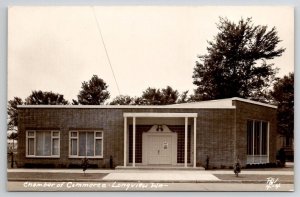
[272, 183]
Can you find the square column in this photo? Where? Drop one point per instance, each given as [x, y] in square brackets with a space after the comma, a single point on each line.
[185, 140]
[195, 135]
[133, 143]
[125, 141]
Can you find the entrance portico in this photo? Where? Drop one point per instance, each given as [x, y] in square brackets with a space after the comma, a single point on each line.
[160, 146]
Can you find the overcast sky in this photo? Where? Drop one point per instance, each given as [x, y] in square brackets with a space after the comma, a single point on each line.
[57, 48]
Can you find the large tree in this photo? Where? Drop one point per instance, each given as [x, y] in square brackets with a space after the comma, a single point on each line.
[283, 95]
[236, 62]
[93, 92]
[45, 98]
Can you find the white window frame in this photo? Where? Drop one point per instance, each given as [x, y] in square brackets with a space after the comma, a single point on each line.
[77, 138]
[260, 141]
[34, 142]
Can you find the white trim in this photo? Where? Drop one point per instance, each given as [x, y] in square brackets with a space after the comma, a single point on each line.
[77, 139]
[32, 156]
[253, 125]
[34, 143]
[133, 141]
[185, 140]
[89, 157]
[174, 106]
[195, 136]
[125, 141]
[268, 142]
[260, 139]
[27, 147]
[253, 102]
[211, 104]
[160, 115]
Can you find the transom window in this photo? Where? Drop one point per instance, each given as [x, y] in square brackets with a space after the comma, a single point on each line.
[42, 143]
[86, 144]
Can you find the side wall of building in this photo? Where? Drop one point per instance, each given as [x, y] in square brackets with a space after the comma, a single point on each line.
[247, 111]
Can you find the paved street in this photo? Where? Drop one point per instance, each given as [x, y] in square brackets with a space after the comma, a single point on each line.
[127, 186]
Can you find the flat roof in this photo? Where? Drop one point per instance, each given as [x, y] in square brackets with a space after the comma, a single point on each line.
[212, 104]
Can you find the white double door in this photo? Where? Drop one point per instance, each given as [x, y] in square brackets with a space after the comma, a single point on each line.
[160, 148]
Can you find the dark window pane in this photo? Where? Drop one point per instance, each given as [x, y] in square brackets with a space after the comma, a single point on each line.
[98, 134]
[74, 147]
[264, 138]
[250, 137]
[55, 134]
[90, 144]
[39, 143]
[98, 147]
[55, 146]
[257, 138]
[82, 143]
[47, 143]
[43, 143]
[30, 146]
[73, 134]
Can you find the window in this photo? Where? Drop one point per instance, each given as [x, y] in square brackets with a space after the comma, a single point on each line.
[86, 144]
[257, 141]
[42, 143]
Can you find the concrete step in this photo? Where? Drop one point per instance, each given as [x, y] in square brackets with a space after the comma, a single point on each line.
[158, 167]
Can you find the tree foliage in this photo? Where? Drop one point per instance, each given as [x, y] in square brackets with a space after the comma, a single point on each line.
[283, 95]
[236, 63]
[93, 92]
[183, 97]
[12, 112]
[153, 96]
[36, 98]
[45, 98]
[122, 100]
[13, 136]
[169, 96]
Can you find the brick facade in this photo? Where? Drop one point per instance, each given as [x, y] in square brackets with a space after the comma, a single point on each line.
[221, 133]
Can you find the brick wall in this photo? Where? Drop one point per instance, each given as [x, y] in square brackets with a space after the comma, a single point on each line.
[248, 111]
[215, 131]
[138, 142]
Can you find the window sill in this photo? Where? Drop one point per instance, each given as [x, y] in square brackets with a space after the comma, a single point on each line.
[33, 156]
[89, 157]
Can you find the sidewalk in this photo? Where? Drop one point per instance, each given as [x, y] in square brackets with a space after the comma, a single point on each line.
[167, 176]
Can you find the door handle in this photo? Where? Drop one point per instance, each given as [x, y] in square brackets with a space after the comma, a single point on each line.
[157, 151]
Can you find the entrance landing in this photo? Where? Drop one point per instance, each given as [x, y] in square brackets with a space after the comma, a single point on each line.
[159, 167]
[161, 176]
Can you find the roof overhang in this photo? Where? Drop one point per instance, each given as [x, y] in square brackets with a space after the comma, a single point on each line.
[160, 115]
[211, 104]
